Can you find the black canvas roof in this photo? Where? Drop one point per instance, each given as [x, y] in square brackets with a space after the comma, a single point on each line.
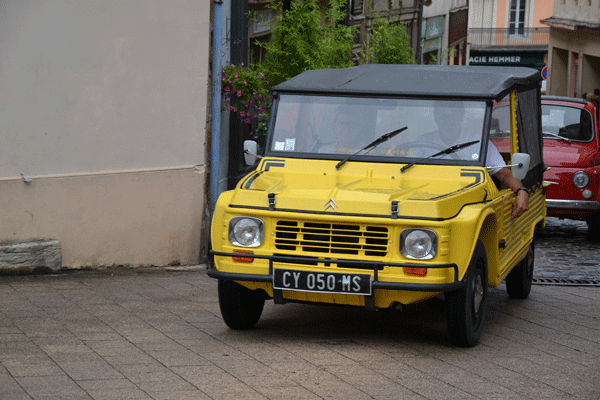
[414, 80]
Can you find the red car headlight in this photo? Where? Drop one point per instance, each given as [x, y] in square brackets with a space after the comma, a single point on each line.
[581, 179]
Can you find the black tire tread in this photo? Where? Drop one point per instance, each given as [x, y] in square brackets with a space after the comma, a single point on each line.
[241, 307]
[461, 331]
[520, 279]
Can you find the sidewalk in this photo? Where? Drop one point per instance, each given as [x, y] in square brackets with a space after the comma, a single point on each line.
[158, 334]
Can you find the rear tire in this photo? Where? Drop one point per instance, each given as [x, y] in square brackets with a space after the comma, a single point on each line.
[519, 280]
[466, 307]
[240, 307]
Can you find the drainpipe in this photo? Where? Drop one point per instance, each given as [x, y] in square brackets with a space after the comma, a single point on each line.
[215, 137]
[419, 27]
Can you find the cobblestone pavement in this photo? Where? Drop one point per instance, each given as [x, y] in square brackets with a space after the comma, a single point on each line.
[158, 334]
[564, 253]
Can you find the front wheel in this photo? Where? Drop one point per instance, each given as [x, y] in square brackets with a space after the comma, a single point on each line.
[519, 280]
[466, 307]
[240, 307]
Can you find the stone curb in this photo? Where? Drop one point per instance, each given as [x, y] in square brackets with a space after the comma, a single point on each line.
[39, 256]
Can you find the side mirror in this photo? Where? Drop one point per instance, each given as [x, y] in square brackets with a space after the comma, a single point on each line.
[250, 150]
[520, 165]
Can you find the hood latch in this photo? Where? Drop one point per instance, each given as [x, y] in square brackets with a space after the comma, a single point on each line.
[271, 201]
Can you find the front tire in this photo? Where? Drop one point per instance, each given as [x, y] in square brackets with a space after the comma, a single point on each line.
[466, 307]
[240, 307]
[519, 280]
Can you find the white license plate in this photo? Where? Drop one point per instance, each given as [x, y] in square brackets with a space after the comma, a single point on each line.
[323, 282]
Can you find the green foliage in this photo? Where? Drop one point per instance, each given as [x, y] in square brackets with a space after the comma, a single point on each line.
[387, 44]
[301, 40]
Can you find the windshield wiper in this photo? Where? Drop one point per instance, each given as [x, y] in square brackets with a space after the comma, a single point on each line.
[449, 150]
[376, 142]
[554, 135]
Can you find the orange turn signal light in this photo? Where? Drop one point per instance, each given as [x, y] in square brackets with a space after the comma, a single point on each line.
[415, 271]
[243, 259]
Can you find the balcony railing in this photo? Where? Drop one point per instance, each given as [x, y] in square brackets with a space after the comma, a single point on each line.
[484, 37]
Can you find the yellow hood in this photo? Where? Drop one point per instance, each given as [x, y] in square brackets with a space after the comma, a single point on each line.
[357, 188]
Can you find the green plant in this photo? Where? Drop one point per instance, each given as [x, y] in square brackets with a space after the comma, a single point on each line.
[246, 91]
[387, 44]
[302, 39]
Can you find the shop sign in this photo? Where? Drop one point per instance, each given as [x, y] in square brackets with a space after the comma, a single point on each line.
[521, 58]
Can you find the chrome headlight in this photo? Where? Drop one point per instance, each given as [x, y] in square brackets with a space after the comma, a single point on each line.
[418, 243]
[581, 179]
[246, 231]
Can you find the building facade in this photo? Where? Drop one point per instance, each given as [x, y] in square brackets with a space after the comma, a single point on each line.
[574, 48]
[103, 110]
[444, 32]
[509, 32]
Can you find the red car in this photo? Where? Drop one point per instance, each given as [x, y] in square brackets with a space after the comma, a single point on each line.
[571, 150]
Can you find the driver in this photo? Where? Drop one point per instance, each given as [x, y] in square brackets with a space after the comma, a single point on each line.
[347, 124]
[449, 120]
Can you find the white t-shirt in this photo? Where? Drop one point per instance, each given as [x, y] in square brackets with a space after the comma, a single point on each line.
[494, 159]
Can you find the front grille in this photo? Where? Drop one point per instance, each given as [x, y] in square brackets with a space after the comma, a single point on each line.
[318, 237]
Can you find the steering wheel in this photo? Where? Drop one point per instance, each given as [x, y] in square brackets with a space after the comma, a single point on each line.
[428, 145]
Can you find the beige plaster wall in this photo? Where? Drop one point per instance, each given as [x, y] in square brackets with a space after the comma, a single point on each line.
[582, 10]
[103, 104]
[149, 217]
[563, 44]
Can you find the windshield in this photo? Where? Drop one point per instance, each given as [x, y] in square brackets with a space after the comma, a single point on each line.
[336, 127]
[571, 123]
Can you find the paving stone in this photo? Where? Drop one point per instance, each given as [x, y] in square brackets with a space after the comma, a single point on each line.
[141, 337]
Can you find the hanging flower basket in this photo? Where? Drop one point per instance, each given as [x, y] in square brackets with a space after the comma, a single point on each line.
[245, 92]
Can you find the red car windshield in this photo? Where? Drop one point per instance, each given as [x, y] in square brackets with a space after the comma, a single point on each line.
[571, 123]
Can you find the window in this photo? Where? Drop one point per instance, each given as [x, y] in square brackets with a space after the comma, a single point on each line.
[356, 7]
[517, 17]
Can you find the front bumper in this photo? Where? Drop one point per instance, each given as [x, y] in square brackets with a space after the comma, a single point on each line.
[573, 204]
[376, 283]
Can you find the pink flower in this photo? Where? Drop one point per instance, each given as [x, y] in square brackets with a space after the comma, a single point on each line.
[242, 114]
[227, 89]
[235, 74]
[223, 75]
[234, 109]
[245, 83]
[254, 93]
[246, 121]
[229, 108]
[229, 80]
[239, 94]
